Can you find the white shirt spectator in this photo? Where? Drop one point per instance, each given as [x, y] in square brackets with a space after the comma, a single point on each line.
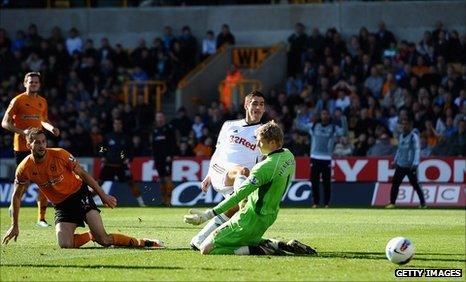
[74, 44]
[208, 46]
[342, 102]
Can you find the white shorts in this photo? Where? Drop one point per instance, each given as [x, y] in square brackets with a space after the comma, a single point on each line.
[218, 174]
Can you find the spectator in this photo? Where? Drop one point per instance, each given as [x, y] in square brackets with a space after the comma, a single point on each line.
[33, 39]
[121, 57]
[298, 41]
[426, 151]
[137, 56]
[74, 42]
[316, 42]
[19, 42]
[106, 51]
[139, 148]
[182, 123]
[343, 147]
[34, 62]
[163, 67]
[208, 45]
[197, 126]
[139, 75]
[188, 47]
[204, 148]
[225, 37]
[184, 150]
[382, 147]
[361, 146]
[458, 140]
[80, 141]
[374, 83]
[56, 37]
[384, 37]
[298, 144]
[168, 38]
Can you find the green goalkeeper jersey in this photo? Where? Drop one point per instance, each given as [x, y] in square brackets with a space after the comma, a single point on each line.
[265, 185]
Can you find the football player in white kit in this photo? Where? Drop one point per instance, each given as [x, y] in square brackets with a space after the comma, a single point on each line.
[235, 154]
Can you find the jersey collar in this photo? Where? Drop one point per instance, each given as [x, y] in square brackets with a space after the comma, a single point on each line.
[250, 124]
[276, 151]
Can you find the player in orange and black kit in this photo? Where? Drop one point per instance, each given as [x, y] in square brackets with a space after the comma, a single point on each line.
[65, 183]
[115, 159]
[26, 110]
[163, 148]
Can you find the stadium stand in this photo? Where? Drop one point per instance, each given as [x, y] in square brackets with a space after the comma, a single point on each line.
[371, 77]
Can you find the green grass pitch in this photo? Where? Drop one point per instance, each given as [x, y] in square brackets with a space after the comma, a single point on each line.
[350, 242]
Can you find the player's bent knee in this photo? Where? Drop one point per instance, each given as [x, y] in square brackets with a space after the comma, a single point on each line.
[244, 171]
[65, 244]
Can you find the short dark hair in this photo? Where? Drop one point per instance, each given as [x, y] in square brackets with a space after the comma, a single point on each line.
[254, 93]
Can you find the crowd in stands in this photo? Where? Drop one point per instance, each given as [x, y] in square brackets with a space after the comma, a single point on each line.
[373, 78]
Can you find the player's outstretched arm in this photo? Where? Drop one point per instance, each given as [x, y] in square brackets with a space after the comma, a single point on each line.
[13, 232]
[7, 123]
[108, 200]
[47, 125]
[206, 183]
[196, 217]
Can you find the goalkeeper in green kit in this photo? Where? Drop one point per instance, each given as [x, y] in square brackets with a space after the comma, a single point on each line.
[263, 189]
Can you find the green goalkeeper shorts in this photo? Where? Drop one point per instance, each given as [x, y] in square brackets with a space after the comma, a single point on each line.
[245, 228]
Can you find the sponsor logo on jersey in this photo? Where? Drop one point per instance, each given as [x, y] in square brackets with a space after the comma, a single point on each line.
[52, 182]
[31, 117]
[242, 141]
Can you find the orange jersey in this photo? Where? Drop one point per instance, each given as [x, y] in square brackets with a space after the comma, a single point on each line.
[26, 111]
[54, 176]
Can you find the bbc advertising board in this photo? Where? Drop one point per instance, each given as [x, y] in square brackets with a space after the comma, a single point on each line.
[359, 182]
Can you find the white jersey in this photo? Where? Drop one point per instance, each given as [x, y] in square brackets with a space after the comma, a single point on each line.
[236, 145]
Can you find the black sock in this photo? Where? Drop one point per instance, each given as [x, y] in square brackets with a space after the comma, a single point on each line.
[256, 250]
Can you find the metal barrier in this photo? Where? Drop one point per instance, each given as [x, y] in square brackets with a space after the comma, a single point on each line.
[131, 92]
[233, 93]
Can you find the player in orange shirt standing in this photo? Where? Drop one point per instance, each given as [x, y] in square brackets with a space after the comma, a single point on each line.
[65, 183]
[26, 110]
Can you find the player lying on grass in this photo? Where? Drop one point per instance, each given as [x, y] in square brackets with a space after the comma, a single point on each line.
[64, 182]
[235, 154]
[264, 189]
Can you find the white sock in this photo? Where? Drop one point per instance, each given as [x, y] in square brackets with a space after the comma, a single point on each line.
[274, 243]
[213, 224]
[241, 251]
[140, 201]
[238, 181]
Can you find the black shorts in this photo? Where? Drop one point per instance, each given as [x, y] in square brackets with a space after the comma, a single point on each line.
[74, 208]
[163, 167]
[122, 172]
[19, 156]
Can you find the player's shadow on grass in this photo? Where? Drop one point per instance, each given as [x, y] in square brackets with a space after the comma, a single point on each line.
[381, 256]
[101, 266]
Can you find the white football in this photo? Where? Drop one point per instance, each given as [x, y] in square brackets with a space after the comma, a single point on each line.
[399, 250]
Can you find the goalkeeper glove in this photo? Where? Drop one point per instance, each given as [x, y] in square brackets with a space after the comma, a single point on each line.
[196, 217]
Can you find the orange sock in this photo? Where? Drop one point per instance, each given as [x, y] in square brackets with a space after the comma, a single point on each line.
[81, 239]
[127, 241]
[41, 206]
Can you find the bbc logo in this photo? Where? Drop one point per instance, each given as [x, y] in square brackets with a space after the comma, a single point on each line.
[428, 272]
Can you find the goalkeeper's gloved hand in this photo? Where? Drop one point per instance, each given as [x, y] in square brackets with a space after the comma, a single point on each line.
[196, 217]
